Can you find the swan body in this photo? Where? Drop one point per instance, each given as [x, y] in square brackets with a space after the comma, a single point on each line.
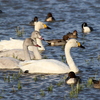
[51, 65]
[49, 17]
[59, 42]
[86, 28]
[20, 53]
[9, 63]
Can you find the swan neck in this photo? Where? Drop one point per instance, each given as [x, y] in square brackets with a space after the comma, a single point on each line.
[69, 60]
[37, 29]
[26, 53]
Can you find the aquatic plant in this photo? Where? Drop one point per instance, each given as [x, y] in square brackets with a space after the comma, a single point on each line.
[50, 88]
[19, 31]
[42, 93]
[35, 78]
[19, 85]
[75, 90]
[60, 83]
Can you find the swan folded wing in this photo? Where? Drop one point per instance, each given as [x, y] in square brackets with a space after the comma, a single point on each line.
[44, 66]
[8, 63]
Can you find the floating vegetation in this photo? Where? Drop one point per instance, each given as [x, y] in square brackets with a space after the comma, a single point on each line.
[75, 90]
[89, 83]
[19, 31]
[42, 93]
[50, 88]
[60, 83]
[63, 58]
[19, 85]
[35, 78]
[45, 57]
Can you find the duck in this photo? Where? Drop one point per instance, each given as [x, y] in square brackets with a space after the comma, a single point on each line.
[10, 44]
[86, 29]
[19, 53]
[72, 78]
[33, 21]
[49, 17]
[60, 42]
[96, 83]
[12, 63]
[52, 66]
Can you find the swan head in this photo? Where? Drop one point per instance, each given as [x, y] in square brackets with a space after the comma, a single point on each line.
[73, 43]
[36, 35]
[40, 25]
[30, 42]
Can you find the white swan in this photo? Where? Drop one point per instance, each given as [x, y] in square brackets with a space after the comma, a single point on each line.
[51, 65]
[19, 53]
[40, 25]
[12, 63]
[10, 44]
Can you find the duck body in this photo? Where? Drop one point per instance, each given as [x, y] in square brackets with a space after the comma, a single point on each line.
[96, 83]
[49, 17]
[33, 21]
[86, 28]
[52, 66]
[72, 79]
[56, 42]
[60, 42]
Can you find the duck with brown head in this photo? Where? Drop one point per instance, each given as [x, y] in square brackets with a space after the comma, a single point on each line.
[49, 17]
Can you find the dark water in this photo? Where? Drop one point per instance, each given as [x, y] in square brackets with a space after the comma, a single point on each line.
[73, 13]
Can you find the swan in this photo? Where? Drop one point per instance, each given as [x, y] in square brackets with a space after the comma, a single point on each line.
[49, 17]
[72, 78]
[86, 28]
[10, 44]
[19, 53]
[50, 66]
[40, 25]
[12, 63]
[59, 42]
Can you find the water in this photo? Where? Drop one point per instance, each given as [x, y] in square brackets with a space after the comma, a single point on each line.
[73, 13]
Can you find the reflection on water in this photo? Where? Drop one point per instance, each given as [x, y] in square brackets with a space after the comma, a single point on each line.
[69, 15]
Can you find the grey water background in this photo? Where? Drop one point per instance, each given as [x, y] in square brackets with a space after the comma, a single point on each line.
[72, 13]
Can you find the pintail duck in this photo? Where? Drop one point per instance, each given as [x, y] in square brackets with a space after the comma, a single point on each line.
[59, 42]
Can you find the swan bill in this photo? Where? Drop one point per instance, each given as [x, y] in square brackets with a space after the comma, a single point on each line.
[45, 26]
[79, 45]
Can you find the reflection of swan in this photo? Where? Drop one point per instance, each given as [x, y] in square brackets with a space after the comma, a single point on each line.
[58, 42]
[51, 65]
[86, 28]
[17, 44]
[19, 53]
[12, 63]
[72, 78]
[49, 17]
